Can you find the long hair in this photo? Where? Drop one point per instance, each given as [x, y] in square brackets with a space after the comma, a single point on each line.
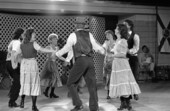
[130, 23]
[17, 33]
[112, 33]
[28, 35]
[123, 31]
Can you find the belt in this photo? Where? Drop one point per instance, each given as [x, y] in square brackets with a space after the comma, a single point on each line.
[83, 55]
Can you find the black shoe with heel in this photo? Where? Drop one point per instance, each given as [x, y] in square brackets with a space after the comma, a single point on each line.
[123, 104]
[108, 97]
[45, 94]
[77, 108]
[136, 97]
[12, 104]
[52, 95]
[46, 91]
[34, 108]
[22, 104]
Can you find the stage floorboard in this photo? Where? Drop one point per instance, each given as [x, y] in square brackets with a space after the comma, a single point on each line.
[154, 97]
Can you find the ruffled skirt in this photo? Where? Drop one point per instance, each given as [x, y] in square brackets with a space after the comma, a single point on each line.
[122, 81]
[50, 74]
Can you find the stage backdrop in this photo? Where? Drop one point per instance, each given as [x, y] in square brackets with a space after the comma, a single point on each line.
[44, 25]
[163, 31]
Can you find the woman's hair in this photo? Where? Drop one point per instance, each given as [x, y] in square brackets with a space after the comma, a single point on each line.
[28, 35]
[112, 33]
[51, 36]
[130, 23]
[17, 33]
[123, 31]
[147, 48]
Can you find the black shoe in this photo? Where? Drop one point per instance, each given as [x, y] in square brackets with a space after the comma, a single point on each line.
[34, 108]
[123, 104]
[77, 108]
[13, 104]
[108, 97]
[52, 95]
[121, 108]
[136, 97]
[130, 109]
[129, 106]
[45, 94]
[22, 104]
[10, 104]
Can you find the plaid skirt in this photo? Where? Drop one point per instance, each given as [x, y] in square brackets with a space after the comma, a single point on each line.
[29, 78]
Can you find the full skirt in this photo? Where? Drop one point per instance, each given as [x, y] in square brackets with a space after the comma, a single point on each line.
[29, 78]
[122, 81]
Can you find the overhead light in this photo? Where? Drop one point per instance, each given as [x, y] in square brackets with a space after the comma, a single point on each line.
[59, 0]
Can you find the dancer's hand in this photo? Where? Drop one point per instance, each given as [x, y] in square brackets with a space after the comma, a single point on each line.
[66, 63]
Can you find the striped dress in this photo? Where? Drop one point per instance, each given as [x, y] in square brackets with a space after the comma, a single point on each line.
[122, 81]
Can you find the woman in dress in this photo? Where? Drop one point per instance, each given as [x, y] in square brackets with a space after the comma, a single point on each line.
[13, 66]
[50, 76]
[122, 81]
[108, 45]
[30, 80]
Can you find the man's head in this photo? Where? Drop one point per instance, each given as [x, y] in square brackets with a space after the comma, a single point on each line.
[145, 49]
[80, 22]
[129, 24]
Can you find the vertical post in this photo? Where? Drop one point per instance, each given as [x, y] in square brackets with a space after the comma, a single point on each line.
[156, 45]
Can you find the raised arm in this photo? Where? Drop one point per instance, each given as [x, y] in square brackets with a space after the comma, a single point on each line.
[67, 47]
[41, 49]
[97, 46]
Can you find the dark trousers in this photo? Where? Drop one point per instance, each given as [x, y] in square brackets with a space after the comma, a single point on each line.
[83, 66]
[15, 75]
[134, 64]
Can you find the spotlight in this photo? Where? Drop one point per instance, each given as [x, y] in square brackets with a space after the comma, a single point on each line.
[59, 0]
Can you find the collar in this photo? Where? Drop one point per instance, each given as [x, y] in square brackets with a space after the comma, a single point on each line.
[130, 32]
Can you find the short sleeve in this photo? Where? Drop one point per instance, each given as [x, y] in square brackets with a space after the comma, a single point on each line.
[36, 46]
[16, 45]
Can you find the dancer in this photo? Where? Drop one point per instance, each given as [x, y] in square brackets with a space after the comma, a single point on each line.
[30, 81]
[122, 81]
[108, 45]
[13, 66]
[50, 76]
[83, 44]
[133, 46]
